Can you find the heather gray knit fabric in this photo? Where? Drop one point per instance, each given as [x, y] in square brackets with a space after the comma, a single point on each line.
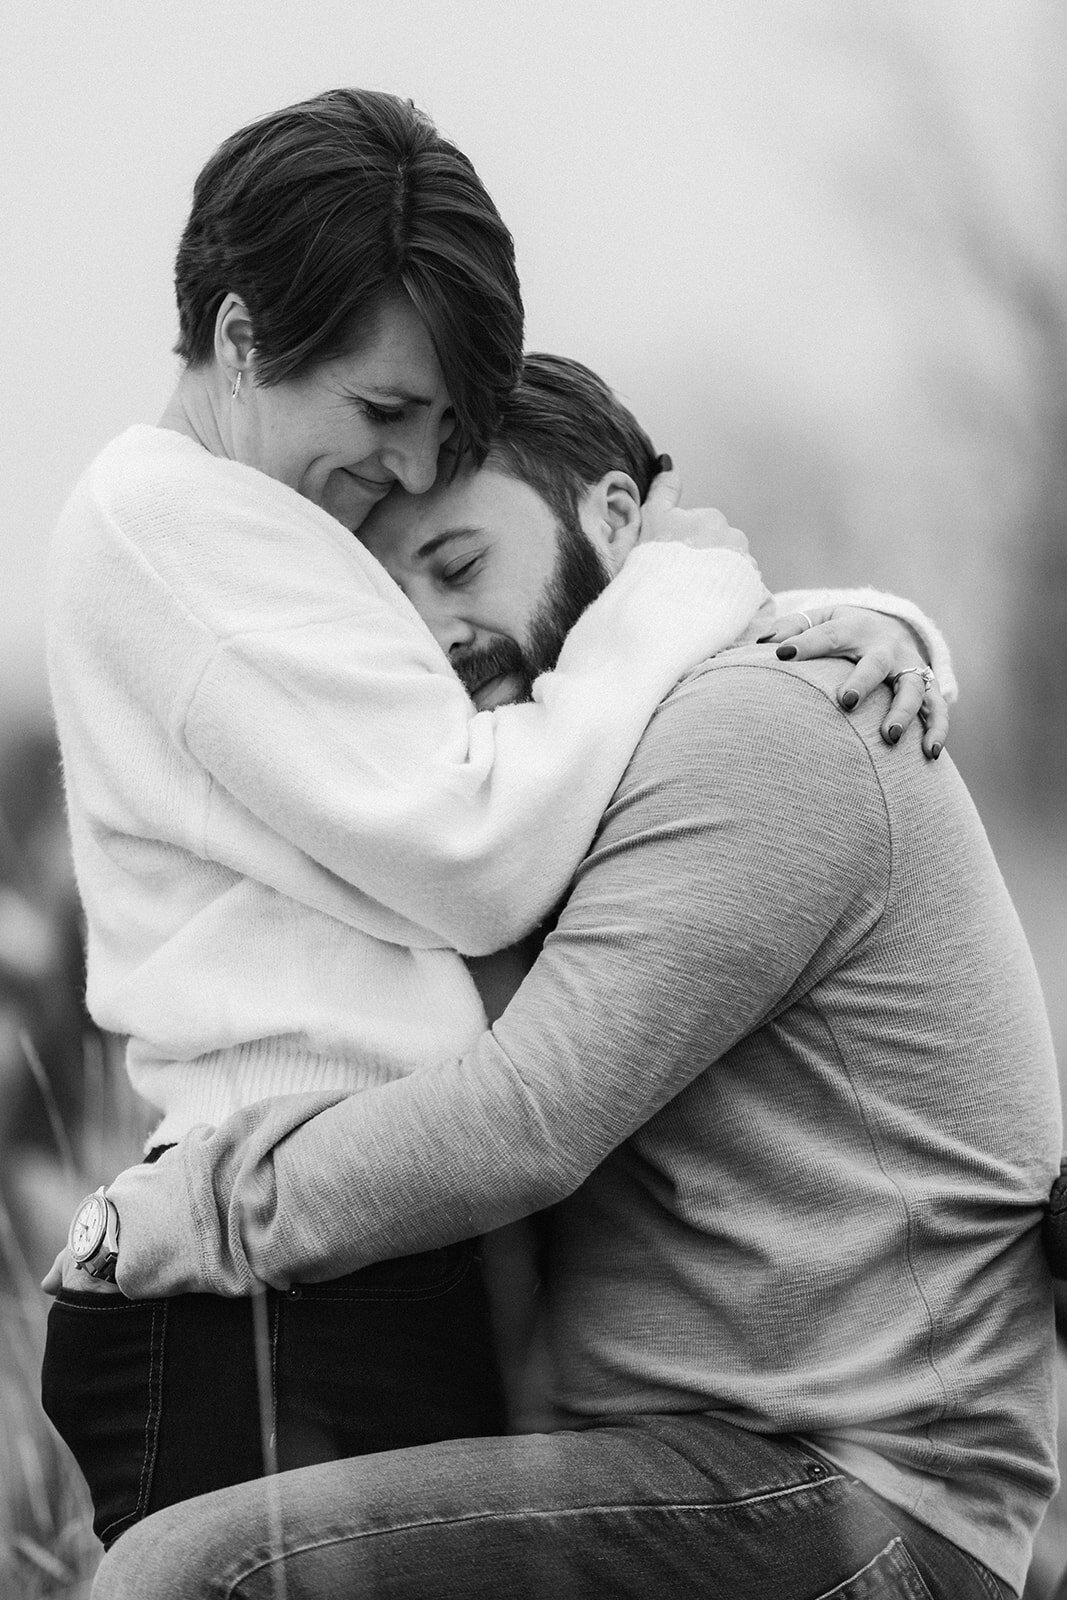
[790, 1010]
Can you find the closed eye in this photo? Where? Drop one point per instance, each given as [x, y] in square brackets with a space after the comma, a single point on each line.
[461, 572]
[380, 414]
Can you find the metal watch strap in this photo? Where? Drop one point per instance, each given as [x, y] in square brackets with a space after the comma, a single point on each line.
[102, 1263]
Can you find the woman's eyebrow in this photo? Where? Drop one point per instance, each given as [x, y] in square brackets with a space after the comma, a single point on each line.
[389, 391]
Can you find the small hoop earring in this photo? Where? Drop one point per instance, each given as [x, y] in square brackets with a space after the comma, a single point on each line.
[235, 391]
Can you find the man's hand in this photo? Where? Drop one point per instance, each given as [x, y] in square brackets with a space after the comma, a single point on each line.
[663, 518]
[885, 649]
[63, 1274]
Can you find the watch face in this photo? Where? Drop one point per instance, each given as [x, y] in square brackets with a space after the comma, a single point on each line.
[87, 1229]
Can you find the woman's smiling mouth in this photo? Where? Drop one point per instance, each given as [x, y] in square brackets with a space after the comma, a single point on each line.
[379, 486]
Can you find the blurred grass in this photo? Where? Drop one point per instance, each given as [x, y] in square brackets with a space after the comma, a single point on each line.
[68, 1122]
[47, 1546]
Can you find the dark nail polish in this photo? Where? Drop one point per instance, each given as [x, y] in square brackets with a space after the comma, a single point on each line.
[935, 751]
[763, 638]
[849, 699]
[894, 734]
[665, 464]
[786, 652]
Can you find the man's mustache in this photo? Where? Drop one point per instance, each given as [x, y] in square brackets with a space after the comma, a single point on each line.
[500, 658]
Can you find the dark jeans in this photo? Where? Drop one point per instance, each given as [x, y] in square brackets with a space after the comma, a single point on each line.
[159, 1399]
[672, 1508]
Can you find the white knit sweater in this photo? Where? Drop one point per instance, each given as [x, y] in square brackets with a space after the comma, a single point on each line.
[286, 815]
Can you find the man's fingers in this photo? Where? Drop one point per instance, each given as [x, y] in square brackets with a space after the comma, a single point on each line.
[53, 1278]
[63, 1274]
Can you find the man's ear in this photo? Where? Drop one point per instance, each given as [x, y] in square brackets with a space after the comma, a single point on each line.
[610, 513]
[233, 336]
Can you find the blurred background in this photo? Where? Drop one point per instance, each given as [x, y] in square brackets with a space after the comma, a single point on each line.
[818, 248]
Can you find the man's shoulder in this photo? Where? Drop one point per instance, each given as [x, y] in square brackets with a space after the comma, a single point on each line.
[750, 681]
[754, 755]
[762, 657]
[744, 713]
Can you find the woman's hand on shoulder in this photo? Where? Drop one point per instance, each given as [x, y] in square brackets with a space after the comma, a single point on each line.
[885, 649]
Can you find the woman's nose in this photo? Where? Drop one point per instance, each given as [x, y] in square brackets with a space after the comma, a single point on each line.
[413, 461]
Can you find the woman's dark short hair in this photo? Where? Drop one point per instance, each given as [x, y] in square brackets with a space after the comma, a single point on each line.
[562, 429]
[317, 214]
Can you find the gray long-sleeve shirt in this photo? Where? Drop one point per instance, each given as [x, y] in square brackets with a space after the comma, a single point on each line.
[785, 1062]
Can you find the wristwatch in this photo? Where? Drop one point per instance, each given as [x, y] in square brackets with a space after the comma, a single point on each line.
[94, 1236]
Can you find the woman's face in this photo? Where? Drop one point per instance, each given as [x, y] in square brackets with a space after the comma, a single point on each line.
[345, 431]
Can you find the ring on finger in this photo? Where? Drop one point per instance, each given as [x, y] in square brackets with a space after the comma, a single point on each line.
[925, 673]
[807, 619]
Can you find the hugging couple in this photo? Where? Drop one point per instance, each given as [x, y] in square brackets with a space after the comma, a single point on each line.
[465, 837]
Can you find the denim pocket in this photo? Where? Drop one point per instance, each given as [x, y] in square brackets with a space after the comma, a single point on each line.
[398, 1354]
[101, 1386]
[892, 1575]
[419, 1277]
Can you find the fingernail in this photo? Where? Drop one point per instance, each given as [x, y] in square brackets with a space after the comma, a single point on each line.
[664, 463]
[935, 750]
[786, 652]
[894, 733]
[763, 638]
[849, 699]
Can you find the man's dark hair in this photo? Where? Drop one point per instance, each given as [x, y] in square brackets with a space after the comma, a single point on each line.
[562, 429]
[317, 214]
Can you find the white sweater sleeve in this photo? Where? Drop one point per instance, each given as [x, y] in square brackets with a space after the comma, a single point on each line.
[933, 640]
[352, 738]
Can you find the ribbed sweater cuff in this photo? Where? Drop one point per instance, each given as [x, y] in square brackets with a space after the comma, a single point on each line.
[892, 605]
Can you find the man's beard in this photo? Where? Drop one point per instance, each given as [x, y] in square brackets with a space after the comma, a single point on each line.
[578, 577]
